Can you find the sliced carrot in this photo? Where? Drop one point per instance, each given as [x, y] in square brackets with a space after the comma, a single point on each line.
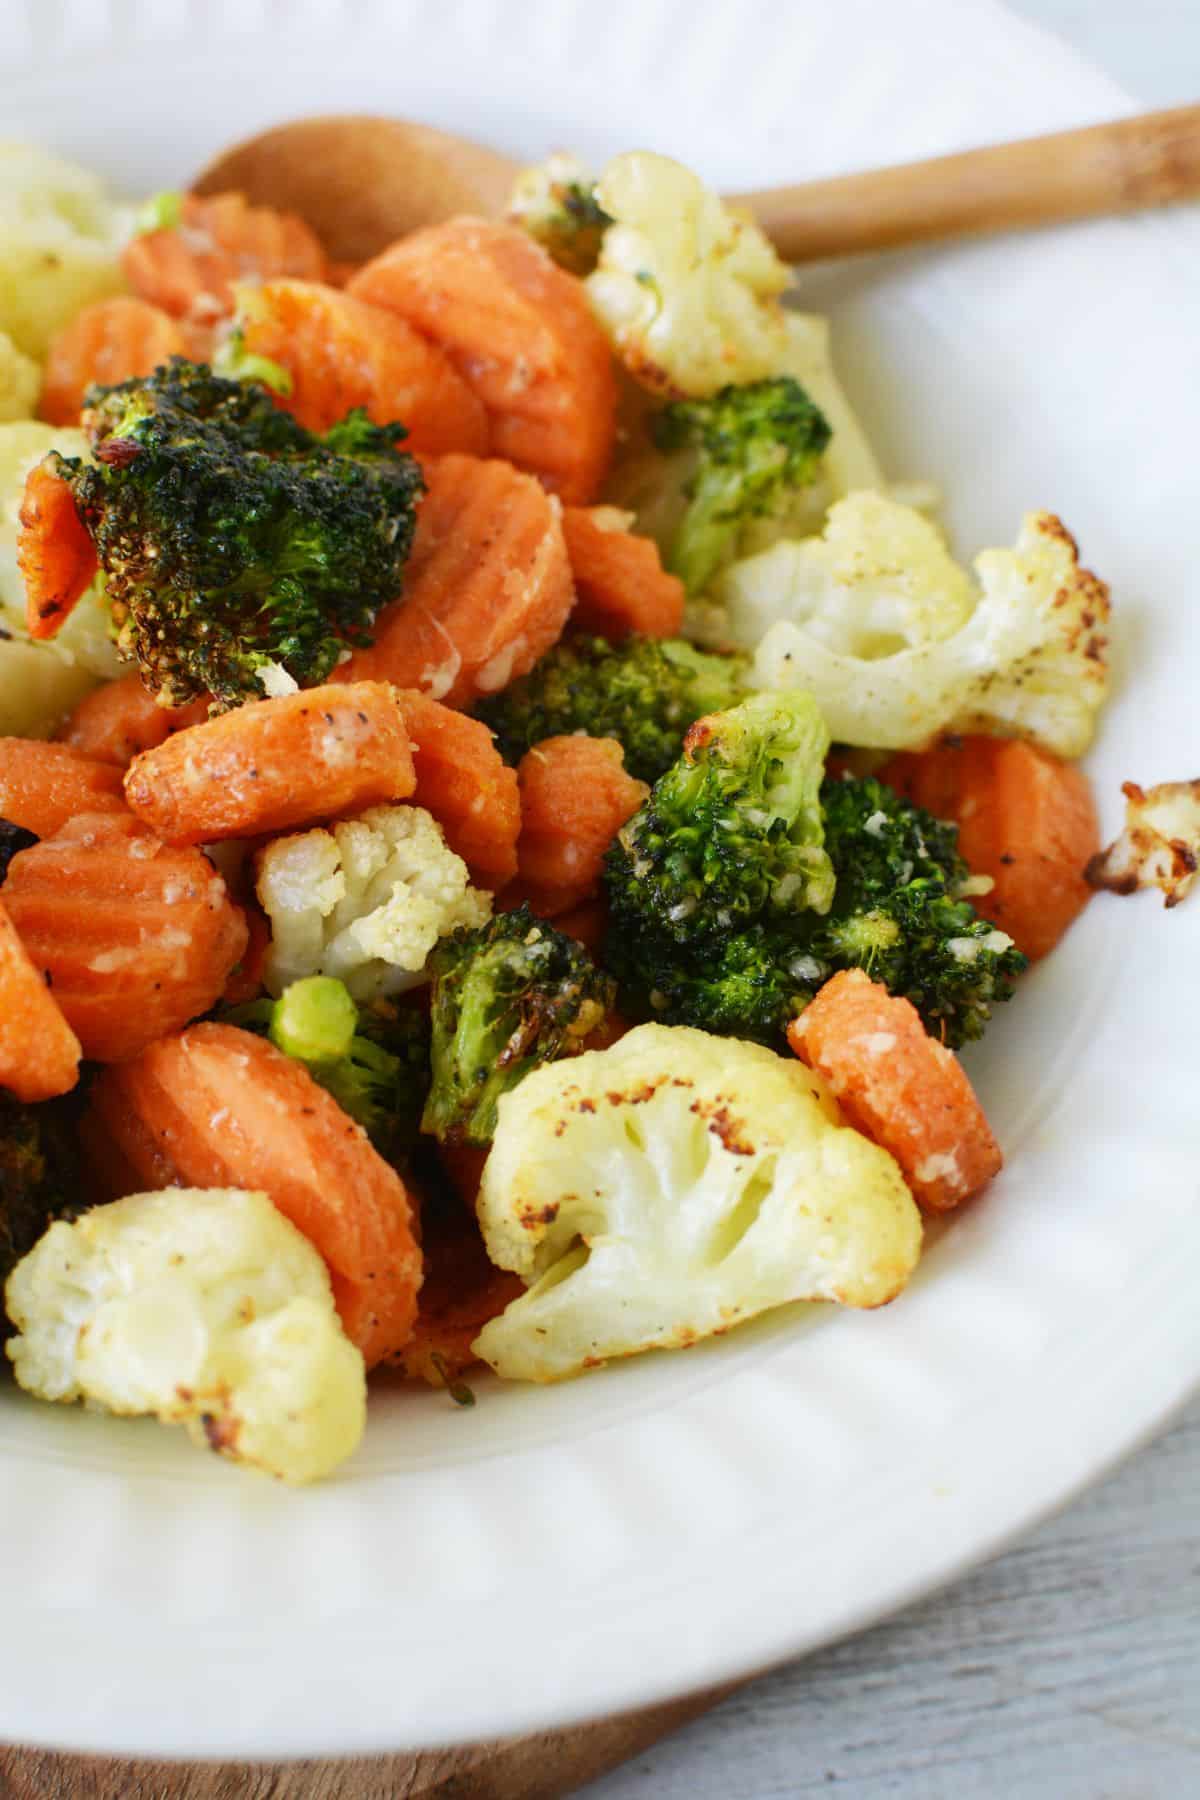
[461, 1292]
[275, 763]
[575, 797]
[620, 583]
[246, 977]
[587, 923]
[39, 1053]
[189, 270]
[521, 331]
[55, 555]
[465, 783]
[340, 352]
[135, 938]
[1024, 818]
[487, 589]
[899, 1087]
[111, 340]
[114, 723]
[217, 1107]
[44, 785]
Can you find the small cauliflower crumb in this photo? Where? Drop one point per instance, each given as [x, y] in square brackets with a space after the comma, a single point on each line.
[204, 1307]
[1160, 845]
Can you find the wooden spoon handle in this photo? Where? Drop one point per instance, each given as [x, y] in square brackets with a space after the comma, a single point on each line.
[1113, 168]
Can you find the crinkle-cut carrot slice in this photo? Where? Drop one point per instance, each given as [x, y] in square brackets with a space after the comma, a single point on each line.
[189, 269]
[465, 783]
[110, 341]
[43, 785]
[246, 977]
[39, 1053]
[55, 555]
[272, 764]
[899, 1087]
[487, 589]
[1024, 818]
[520, 330]
[620, 583]
[575, 797]
[214, 1106]
[461, 1292]
[136, 938]
[340, 353]
[116, 722]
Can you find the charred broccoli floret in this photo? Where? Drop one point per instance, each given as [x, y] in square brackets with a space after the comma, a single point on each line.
[712, 926]
[644, 692]
[897, 911]
[232, 538]
[752, 443]
[13, 838]
[373, 1059]
[731, 834]
[39, 1175]
[506, 997]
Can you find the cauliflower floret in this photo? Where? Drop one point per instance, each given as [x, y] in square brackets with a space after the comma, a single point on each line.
[60, 243]
[204, 1307]
[41, 682]
[672, 1186]
[365, 900]
[1160, 845]
[20, 380]
[686, 290]
[880, 579]
[1028, 662]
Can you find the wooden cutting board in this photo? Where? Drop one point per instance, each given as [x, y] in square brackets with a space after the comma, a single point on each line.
[543, 1766]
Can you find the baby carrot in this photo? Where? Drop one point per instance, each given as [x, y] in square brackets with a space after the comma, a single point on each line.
[55, 555]
[465, 783]
[575, 797]
[111, 340]
[487, 589]
[217, 1107]
[461, 1292]
[136, 938]
[620, 583]
[521, 331]
[39, 1053]
[899, 1087]
[189, 270]
[115, 722]
[340, 353]
[1024, 818]
[272, 764]
[43, 785]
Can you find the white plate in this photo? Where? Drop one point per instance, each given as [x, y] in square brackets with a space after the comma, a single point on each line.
[685, 1519]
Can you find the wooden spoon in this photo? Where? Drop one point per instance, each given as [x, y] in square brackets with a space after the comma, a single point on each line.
[362, 182]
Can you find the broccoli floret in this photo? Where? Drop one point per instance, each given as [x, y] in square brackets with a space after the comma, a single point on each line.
[39, 1175]
[230, 537]
[897, 912]
[506, 997]
[374, 1059]
[731, 834]
[711, 925]
[644, 692]
[13, 838]
[752, 443]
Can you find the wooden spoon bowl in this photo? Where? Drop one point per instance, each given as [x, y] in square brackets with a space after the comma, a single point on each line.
[362, 182]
